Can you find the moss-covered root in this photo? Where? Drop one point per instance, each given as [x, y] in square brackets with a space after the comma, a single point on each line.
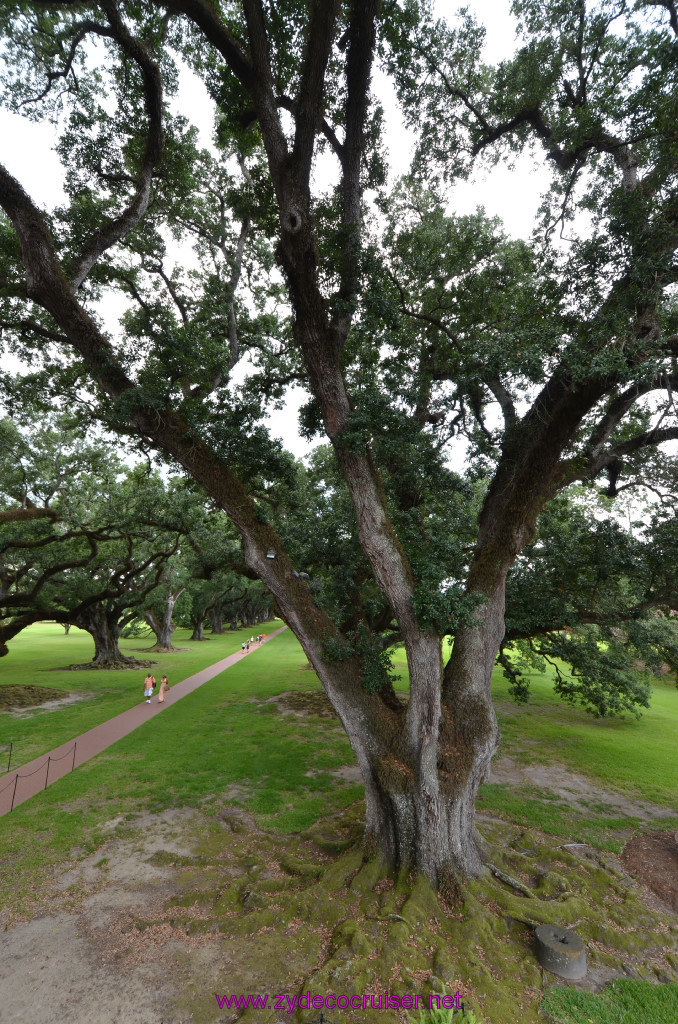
[400, 936]
[343, 925]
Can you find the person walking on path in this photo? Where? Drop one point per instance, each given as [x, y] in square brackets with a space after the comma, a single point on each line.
[148, 687]
[164, 688]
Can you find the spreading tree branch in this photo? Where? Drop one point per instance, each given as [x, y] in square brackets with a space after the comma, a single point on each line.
[361, 36]
[78, 32]
[308, 107]
[20, 515]
[114, 230]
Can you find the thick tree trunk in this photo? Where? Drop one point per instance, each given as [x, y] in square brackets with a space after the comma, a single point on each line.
[106, 635]
[422, 764]
[216, 617]
[163, 628]
[197, 633]
[440, 839]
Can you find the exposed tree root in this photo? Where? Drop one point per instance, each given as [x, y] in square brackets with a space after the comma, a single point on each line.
[345, 924]
[510, 880]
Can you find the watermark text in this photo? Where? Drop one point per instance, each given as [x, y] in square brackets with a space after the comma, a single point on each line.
[382, 1001]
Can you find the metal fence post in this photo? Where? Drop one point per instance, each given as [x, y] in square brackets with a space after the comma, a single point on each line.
[74, 746]
[47, 772]
[16, 779]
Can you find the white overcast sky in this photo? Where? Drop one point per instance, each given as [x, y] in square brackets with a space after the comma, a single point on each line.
[512, 194]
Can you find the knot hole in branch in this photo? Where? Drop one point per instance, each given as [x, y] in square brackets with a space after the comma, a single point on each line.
[292, 220]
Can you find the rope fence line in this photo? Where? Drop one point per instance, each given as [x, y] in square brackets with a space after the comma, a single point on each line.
[7, 746]
[27, 775]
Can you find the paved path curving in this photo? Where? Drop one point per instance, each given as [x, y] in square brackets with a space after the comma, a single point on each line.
[24, 782]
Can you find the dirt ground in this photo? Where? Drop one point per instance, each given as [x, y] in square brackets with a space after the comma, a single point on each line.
[653, 857]
[126, 937]
[77, 964]
[575, 790]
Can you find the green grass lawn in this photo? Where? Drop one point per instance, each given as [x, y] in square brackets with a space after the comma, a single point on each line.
[625, 754]
[637, 755]
[228, 741]
[622, 1002]
[37, 655]
[223, 740]
[632, 754]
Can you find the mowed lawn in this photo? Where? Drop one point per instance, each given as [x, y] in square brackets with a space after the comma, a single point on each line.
[38, 655]
[635, 755]
[638, 756]
[229, 741]
[225, 741]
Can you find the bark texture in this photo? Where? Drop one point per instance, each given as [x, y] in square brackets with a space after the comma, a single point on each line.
[163, 626]
[105, 632]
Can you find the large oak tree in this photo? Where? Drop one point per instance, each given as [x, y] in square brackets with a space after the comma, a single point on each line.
[564, 343]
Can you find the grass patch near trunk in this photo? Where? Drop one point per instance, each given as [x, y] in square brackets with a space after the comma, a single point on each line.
[622, 1002]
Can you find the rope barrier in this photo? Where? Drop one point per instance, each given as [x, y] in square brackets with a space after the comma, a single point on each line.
[27, 775]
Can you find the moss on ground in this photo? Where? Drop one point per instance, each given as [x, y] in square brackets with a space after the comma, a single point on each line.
[301, 918]
[17, 695]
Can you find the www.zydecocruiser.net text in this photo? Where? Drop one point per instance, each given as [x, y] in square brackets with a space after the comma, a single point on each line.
[382, 1001]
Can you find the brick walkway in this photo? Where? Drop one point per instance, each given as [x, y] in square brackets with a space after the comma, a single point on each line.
[24, 782]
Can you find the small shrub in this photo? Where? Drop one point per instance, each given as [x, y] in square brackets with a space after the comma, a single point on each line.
[439, 1016]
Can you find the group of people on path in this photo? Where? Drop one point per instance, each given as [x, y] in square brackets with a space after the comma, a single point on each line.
[149, 687]
[246, 644]
[149, 681]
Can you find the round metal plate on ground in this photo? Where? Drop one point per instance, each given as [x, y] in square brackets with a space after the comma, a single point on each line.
[560, 951]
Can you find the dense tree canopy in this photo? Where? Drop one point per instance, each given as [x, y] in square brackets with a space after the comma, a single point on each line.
[412, 330]
[90, 541]
[94, 548]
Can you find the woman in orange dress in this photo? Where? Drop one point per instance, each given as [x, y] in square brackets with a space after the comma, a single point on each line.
[164, 687]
